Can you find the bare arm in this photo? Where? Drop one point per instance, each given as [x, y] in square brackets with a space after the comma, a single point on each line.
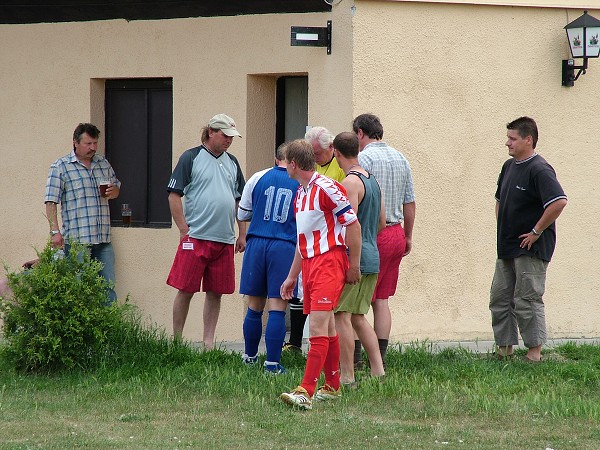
[354, 190]
[31, 263]
[240, 243]
[381, 224]
[52, 216]
[287, 288]
[551, 213]
[409, 210]
[354, 244]
[176, 206]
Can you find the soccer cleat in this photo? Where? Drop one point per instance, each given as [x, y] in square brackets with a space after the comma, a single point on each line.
[326, 392]
[249, 360]
[274, 369]
[287, 347]
[298, 397]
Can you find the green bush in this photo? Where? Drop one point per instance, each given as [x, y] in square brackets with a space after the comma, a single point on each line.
[57, 318]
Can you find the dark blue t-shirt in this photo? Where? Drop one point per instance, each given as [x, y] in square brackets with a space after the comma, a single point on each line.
[525, 189]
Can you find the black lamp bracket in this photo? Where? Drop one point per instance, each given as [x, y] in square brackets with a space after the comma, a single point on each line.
[568, 71]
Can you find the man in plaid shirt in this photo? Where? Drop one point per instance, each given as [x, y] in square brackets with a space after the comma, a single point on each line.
[73, 181]
[392, 171]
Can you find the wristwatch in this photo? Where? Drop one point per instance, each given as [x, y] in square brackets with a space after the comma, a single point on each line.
[534, 231]
[54, 232]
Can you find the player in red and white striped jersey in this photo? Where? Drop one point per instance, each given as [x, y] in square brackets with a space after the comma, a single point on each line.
[326, 225]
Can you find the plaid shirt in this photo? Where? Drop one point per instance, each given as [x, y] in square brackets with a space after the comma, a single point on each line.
[85, 215]
[392, 171]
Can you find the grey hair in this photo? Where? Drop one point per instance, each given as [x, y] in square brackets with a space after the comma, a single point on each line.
[321, 135]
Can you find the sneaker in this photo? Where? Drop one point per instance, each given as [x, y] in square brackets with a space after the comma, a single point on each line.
[298, 397]
[287, 347]
[274, 369]
[249, 360]
[326, 392]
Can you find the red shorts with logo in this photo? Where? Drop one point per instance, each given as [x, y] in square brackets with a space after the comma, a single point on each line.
[391, 243]
[323, 279]
[208, 262]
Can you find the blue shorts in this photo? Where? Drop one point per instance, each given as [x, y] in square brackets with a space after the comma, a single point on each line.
[265, 267]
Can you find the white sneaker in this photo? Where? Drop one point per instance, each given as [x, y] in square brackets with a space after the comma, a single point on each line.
[249, 360]
[298, 397]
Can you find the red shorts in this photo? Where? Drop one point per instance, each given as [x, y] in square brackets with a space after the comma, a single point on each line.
[391, 243]
[208, 262]
[323, 279]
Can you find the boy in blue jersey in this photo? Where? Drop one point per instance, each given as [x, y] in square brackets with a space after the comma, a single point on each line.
[267, 202]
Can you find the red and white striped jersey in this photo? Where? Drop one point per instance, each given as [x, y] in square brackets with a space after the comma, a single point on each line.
[322, 213]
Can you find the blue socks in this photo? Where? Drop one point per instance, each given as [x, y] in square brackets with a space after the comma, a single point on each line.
[275, 335]
[252, 329]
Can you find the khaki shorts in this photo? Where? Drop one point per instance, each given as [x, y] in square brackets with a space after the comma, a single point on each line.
[356, 298]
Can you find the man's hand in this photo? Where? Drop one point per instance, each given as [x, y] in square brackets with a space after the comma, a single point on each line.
[240, 244]
[57, 240]
[408, 247]
[528, 239]
[183, 233]
[287, 288]
[112, 191]
[352, 275]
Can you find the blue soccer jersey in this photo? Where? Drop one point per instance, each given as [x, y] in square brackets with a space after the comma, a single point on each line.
[268, 202]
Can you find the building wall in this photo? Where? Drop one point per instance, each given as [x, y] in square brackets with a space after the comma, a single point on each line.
[445, 79]
[53, 78]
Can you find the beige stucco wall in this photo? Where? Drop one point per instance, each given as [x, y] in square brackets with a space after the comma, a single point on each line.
[443, 78]
[53, 79]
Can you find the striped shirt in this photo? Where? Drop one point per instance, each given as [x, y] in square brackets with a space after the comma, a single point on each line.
[322, 213]
[392, 171]
[85, 215]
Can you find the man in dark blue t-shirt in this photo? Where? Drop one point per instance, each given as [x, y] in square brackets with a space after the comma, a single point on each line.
[529, 199]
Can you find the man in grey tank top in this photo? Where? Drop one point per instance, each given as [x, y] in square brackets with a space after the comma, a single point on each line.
[365, 197]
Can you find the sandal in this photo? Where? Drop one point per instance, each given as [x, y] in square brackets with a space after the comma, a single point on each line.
[527, 359]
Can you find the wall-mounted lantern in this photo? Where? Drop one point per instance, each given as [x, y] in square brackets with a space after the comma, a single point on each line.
[584, 36]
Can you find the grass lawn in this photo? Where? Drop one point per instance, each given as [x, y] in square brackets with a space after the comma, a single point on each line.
[428, 400]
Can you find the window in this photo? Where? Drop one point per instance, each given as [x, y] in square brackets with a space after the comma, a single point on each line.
[139, 136]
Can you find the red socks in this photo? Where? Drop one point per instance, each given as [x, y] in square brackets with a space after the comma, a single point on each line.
[314, 362]
[324, 354]
[332, 363]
